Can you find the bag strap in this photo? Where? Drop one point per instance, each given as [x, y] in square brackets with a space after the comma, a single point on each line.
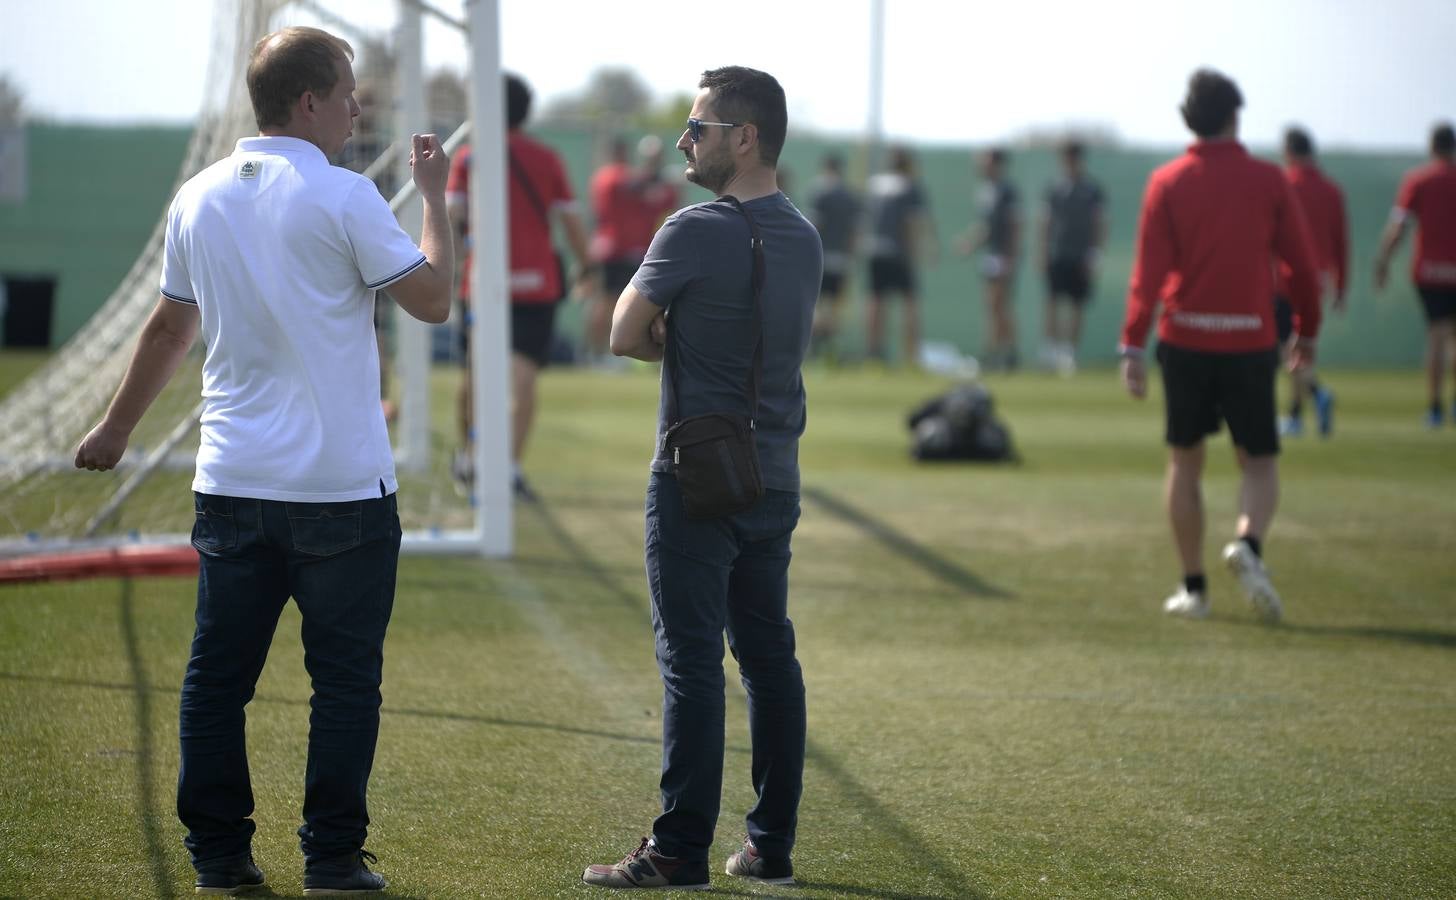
[672, 365]
[518, 172]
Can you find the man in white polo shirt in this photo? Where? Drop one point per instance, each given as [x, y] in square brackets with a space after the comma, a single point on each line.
[276, 254]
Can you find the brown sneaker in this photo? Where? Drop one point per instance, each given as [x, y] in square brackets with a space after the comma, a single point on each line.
[646, 868]
[746, 863]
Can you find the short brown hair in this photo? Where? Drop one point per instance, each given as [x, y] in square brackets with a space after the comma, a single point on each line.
[287, 64]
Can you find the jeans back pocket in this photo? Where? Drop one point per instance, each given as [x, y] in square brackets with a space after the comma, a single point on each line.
[325, 529]
[214, 529]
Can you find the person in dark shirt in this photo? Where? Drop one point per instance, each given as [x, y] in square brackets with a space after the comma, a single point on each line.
[834, 209]
[900, 236]
[996, 241]
[693, 299]
[1071, 241]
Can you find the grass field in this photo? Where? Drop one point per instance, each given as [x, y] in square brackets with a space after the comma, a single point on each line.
[997, 706]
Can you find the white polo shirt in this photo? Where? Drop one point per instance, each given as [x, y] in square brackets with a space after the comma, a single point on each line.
[282, 253]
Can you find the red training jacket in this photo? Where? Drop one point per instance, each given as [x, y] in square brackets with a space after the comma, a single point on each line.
[1323, 205]
[1213, 223]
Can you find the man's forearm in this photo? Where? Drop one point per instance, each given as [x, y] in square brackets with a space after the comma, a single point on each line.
[437, 242]
[159, 352]
[575, 236]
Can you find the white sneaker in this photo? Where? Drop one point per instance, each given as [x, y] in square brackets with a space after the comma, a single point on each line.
[1187, 604]
[1254, 579]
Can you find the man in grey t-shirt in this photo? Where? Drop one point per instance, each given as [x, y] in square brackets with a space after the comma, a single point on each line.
[1072, 234]
[729, 574]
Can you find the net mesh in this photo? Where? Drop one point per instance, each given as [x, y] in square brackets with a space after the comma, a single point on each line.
[44, 502]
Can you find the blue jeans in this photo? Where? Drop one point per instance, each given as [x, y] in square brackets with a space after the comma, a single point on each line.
[338, 562]
[706, 578]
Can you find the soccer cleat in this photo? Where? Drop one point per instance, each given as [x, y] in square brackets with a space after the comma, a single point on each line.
[1289, 426]
[231, 878]
[1254, 578]
[1187, 604]
[1324, 411]
[342, 876]
[646, 868]
[746, 863]
[523, 490]
[1433, 418]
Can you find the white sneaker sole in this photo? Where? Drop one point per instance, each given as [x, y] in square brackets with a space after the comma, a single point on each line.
[1255, 582]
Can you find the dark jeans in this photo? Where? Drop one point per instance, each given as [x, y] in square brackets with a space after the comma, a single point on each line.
[337, 561]
[707, 577]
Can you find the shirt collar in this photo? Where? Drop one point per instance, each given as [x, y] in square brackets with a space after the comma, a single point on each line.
[1217, 147]
[274, 143]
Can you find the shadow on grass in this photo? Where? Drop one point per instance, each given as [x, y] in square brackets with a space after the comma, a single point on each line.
[386, 710]
[913, 846]
[1419, 636]
[582, 559]
[906, 547]
[146, 788]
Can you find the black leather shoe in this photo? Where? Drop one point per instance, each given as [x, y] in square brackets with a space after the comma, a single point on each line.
[230, 878]
[345, 874]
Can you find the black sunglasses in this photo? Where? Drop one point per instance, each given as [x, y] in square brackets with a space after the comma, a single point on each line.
[695, 128]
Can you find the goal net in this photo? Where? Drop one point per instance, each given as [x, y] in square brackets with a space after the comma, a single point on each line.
[47, 505]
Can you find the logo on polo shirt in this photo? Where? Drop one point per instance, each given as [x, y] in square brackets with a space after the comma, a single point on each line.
[249, 169]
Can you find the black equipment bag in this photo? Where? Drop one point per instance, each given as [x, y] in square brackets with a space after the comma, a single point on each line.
[960, 424]
[714, 456]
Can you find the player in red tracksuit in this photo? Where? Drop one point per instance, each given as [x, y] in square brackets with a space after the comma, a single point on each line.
[1324, 211]
[1428, 195]
[1214, 223]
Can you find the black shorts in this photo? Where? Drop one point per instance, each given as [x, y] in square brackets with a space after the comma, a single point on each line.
[831, 284]
[1440, 303]
[532, 326]
[1283, 319]
[1070, 279]
[616, 275]
[1200, 389]
[891, 273]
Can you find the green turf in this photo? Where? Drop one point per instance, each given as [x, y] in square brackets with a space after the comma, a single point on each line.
[997, 707]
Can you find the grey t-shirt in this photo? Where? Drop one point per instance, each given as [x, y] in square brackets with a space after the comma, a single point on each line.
[890, 200]
[997, 204]
[1072, 210]
[699, 268]
[834, 209]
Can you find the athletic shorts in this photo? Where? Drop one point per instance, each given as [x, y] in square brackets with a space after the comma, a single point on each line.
[1440, 303]
[891, 273]
[831, 284]
[1201, 389]
[532, 325]
[1070, 279]
[616, 275]
[1283, 319]
[531, 328]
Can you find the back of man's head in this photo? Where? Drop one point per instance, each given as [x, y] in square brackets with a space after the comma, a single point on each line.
[902, 161]
[832, 163]
[1443, 140]
[518, 101]
[1298, 144]
[747, 96]
[1212, 103]
[289, 63]
[1072, 152]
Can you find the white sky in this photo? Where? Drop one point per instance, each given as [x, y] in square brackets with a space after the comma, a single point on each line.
[1358, 73]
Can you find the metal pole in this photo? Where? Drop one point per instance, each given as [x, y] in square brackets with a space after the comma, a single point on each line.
[490, 350]
[412, 337]
[875, 141]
